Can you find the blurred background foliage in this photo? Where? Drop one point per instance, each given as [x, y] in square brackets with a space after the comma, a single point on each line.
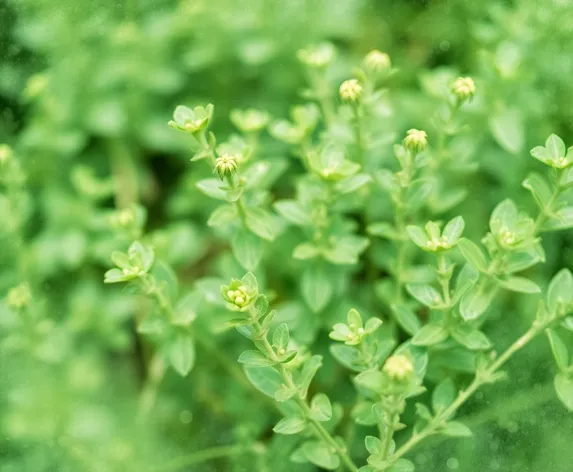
[86, 90]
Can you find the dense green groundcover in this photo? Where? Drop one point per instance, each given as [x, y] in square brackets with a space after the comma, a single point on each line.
[236, 236]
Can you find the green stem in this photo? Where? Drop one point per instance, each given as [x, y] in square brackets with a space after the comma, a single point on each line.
[319, 430]
[203, 456]
[544, 213]
[444, 278]
[124, 173]
[358, 123]
[479, 380]
[155, 374]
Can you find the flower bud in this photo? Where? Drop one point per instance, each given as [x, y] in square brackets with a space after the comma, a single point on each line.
[463, 89]
[239, 295]
[398, 367]
[377, 61]
[226, 165]
[19, 296]
[6, 154]
[416, 140]
[250, 120]
[319, 56]
[350, 90]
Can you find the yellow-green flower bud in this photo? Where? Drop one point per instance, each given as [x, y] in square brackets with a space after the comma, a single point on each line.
[319, 56]
[226, 165]
[19, 296]
[238, 295]
[463, 88]
[377, 61]
[398, 367]
[416, 140]
[6, 154]
[250, 120]
[350, 90]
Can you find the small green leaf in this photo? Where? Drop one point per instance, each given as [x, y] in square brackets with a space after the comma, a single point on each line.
[407, 319]
[182, 353]
[213, 188]
[456, 429]
[555, 146]
[417, 235]
[307, 373]
[519, 284]
[261, 223]
[471, 338]
[290, 425]
[564, 388]
[281, 336]
[560, 290]
[265, 379]
[429, 335]
[321, 455]
[507, 128]
[401, 465]
[473, 254]
[305, 251]
[476, 301]
[373, 445]
[371, 379]
[317, 287]
[321, 409]
[354, 319]
[255, 358]
[454, 230]
[353, 183]
[540, 189]
[247, 249]
[348, 356]
[559, 349]
[425, 294]
[293, 212]
[443, 395]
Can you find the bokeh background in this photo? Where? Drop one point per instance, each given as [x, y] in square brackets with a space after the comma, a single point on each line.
[86, 91]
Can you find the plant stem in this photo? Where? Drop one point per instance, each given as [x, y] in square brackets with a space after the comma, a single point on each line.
[544, 213]
[155, 374]
[319, 430]
[480, 379]
[203, 456]
[124, 173]
[358, 133]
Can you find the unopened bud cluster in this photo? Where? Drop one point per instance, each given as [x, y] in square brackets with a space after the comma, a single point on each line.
[416, 140]
[318, 56]
[350, 90]
[239, 295]
[463, 89]
[226, 165]
[377, 61]
[398, 367]
[19, 297]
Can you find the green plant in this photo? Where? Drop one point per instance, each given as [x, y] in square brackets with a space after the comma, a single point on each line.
[369, 223]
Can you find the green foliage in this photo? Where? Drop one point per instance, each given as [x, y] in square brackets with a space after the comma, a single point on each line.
[235, 236]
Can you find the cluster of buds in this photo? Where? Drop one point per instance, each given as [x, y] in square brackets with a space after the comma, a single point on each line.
[354, 331]
[239, 295]
[226, 165]
[463, 89]
[6, 154]
[416, 140]
[318, 57]
[350, 90]
[399, 368]
[250, 120]
[191, 121]
[136, 263]
[19, 297]
[554, 153]
[377, 62]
